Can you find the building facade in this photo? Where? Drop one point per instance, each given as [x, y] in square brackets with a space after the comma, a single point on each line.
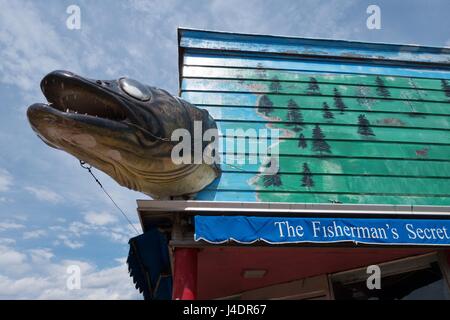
[335, 156]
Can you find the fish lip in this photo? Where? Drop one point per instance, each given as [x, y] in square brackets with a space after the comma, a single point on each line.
[40, 113]
[69, 93]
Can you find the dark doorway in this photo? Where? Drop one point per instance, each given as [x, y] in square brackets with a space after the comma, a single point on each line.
[424, 282]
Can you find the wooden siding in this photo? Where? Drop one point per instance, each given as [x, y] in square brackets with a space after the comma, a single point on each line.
[382, 128]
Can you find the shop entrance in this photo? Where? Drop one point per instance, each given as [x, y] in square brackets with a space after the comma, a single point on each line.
[415, 278]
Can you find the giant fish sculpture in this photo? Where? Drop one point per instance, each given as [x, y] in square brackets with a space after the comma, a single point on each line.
[124, 129]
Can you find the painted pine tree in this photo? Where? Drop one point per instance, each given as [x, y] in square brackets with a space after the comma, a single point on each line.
[294, 114]
[270, 174]
[307, 180]
[364, 126]
[313, 86]
[277, 180]
[275, 85]
[302, 142]
[265, 105]
[272, 180]
[319, 143]
[382, 90]
[446, 87]
[327, 114]
[338, 102]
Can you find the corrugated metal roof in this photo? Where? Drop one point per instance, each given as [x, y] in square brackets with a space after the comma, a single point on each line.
[360, 123]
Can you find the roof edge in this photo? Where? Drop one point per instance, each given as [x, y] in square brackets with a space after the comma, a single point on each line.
[180, 30]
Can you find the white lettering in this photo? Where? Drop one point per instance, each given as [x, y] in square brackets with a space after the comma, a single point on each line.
[374, 20]
[73, 281]
[374, 280]
[73, 21]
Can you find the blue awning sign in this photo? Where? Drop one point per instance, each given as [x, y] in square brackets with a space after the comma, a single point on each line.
[281, 230]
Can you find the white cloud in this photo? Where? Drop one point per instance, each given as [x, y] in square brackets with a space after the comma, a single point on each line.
[10, 257]
[7, 241]
[34, 234]
[22, 30]
[116, 235]
[5, 180]
[99, 218]
[44, 278]
[70, 235]
[41, 255]
[70, 243]
[306, 18]
[44, 194]
[10, 225]
[12, 260]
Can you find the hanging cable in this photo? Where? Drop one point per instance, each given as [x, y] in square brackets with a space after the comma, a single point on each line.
[88, 167]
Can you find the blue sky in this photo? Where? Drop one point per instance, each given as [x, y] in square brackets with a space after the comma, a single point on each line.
[51, 213]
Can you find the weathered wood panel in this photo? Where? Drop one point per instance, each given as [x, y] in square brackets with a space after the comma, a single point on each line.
[287, 46]
[314, 88]
[411, 107]
[276, 63]
[212, 72]
[354, 130]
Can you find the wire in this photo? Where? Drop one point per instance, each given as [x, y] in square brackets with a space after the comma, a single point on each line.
[88, 167]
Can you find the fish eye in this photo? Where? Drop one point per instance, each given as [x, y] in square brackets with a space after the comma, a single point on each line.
[135, 89]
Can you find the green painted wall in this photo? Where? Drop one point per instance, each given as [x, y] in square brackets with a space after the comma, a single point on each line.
[347, 137]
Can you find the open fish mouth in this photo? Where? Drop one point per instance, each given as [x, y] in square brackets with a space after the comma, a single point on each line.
[75, 97]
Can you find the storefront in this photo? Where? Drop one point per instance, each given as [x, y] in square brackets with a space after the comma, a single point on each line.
[362, 157]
